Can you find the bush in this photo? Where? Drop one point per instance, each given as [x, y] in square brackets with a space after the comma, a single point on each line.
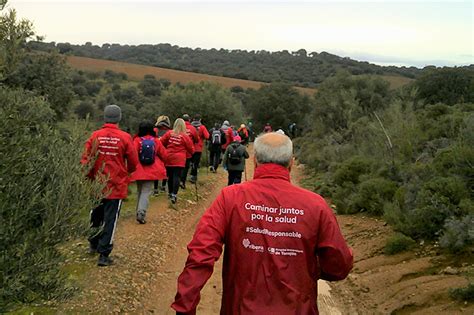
[458, 234]
[398, 243]
[42, 196]
[373, 194]
[464, 294]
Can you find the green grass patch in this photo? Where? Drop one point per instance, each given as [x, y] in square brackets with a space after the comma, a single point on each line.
[464, 294]
[398, 243]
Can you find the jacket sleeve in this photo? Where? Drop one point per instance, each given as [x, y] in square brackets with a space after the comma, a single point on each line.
[188, 142]
[204, 250]
[165, 139]
[160, 150]
[246, 154]
[205, 133]
[88, 151]
[335, 257]
[224, 156]
[131, 156]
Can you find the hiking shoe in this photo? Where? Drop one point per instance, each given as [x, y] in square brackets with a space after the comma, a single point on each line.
[182, 185]
[211, 169]
[104, 261]
[156, 192]
[163, 188]
[173, 199]
[141, 220]
[193, 179]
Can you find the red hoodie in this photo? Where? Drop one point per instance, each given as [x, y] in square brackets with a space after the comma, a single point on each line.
[116, 158]
[279, 240]
[203, 134]
[178, 147]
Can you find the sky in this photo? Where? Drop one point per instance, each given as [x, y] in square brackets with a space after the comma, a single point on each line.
[408, 33]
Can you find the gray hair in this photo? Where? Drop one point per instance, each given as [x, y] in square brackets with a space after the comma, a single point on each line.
[273, 147]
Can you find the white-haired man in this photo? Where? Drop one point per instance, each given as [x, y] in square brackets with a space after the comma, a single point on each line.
[279, 240]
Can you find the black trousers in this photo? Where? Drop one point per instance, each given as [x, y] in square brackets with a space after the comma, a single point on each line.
[185, 171]
[235, 177]
[214, 159]
[103, 224]
[174, 174]
[196, 159]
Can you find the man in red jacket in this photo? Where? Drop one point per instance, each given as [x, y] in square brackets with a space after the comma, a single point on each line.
[279, 240]
[203, 134]
[193, 134]
[112, 157]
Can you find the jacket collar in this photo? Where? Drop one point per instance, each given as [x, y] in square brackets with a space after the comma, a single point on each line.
[271, 170]
[109, 125]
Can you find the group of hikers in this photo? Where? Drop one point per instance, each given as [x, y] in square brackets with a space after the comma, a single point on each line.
[157, 152]
[279, 239]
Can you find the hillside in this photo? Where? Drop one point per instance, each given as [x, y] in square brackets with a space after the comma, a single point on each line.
[299, 68]
[137, 72]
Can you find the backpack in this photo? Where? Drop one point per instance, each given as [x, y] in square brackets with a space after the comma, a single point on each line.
[216, 137]
[147, 151]
[234, 156]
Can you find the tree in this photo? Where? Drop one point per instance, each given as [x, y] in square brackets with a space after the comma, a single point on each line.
[277, 104]
[214, 102]
[13, 36]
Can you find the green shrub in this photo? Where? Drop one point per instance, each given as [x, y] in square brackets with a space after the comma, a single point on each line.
[372, 195]
[351, 170]
[398, 243]
[458, 234]
[464, 294]
[43, 195]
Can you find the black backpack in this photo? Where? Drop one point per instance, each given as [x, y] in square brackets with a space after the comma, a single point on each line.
[235, 157]
[216, 137]
[147, 152]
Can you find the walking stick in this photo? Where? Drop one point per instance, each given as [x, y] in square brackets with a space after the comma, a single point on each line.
[245, 170]
[207, 159]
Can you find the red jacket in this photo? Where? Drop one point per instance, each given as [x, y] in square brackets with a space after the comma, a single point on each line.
[279, 240]
[193, 134]
[229, 138]
[155, 171]
[116, 158]
[178, 147]
[203, 134]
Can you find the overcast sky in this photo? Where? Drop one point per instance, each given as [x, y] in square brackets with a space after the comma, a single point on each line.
[384, 32]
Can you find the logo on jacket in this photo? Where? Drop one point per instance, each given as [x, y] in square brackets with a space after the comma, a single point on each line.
[248, 245]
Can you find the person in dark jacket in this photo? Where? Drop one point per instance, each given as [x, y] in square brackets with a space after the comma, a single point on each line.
[279, 239]
[234, 161]
[112, 157]
[216, 140]
[203, 135]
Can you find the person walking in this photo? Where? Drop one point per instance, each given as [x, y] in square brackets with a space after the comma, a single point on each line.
[203, 135]
[279, 240]
[162, 125]
[111, 156]
[216, 140]
[151, 154]
[244, 134]
[178, 146]
[234, 161]
[229, 134]
[267, 128]
[193, 135]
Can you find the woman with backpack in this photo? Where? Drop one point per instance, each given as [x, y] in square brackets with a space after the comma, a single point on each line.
[151, 154]
[234, 161]
[178, 144]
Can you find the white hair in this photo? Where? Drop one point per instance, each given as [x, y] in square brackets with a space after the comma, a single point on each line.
[273, 147]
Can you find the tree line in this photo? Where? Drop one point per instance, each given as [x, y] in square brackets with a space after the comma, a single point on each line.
[299, 68]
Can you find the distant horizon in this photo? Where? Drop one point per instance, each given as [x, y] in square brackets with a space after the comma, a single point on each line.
[376, 60]
[399, 33]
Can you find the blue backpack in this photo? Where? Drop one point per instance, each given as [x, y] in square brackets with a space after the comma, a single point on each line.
[147, 152]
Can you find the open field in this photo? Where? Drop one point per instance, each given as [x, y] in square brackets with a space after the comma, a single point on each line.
[136, 72]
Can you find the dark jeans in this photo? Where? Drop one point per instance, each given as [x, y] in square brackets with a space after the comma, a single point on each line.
[174, 174]
[214, 159]
[196, 159]
[185, 171]
[235, 177]
[103, 224]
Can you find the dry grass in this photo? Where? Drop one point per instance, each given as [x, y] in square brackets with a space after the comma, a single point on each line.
[136, 72]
